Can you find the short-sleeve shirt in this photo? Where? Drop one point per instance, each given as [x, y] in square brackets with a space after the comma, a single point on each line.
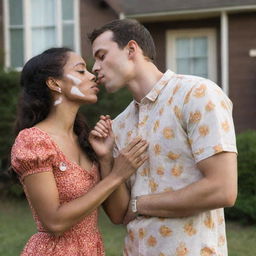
[185, 119]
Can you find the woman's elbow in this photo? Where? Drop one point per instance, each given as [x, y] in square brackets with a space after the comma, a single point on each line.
[55, 229]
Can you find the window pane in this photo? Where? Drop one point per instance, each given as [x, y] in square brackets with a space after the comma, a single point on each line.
[67, 9]
[43, 12]
[15, 12]
[68, 35]
[16, 38]
[183, 47]
[200, 47]
[200, 67]
[183, 66]
[43, 39]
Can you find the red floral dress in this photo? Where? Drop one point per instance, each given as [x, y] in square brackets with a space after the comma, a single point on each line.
[34, 151]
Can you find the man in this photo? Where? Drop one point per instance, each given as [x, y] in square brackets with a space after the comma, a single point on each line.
[178, 195]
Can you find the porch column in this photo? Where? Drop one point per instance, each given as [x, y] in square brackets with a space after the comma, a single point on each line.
[224, 52]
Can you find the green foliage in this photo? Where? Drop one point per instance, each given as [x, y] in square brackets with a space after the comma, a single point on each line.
[111, 104]
[9, 87]
[245, 207]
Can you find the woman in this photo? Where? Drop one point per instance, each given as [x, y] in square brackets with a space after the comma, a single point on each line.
[57, 159]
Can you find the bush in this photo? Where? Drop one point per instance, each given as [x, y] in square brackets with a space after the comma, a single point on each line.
[245, 207]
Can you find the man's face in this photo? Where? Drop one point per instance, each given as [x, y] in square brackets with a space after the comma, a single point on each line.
[112, 64]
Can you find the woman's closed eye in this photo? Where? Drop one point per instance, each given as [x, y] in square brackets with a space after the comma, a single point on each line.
[81, 71]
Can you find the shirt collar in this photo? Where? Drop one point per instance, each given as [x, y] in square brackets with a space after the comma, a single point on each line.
[156, 90]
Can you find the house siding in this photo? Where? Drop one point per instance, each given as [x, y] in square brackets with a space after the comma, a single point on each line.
[93, 14]
[242, 70]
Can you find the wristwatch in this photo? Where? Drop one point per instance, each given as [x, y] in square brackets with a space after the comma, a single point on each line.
[134, 205]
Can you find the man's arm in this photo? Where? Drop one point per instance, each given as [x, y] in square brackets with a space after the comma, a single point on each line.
[217, 189]
[117, 203]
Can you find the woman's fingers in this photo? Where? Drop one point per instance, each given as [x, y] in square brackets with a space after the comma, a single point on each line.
[132, 144]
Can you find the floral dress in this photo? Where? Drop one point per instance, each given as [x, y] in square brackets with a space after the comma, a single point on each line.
[34, 151]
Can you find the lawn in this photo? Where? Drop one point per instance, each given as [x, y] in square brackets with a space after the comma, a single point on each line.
[16, 226]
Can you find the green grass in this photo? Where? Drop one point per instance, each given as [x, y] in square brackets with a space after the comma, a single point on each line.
[16, 226]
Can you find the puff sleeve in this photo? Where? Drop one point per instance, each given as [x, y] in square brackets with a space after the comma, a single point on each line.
[32, 152]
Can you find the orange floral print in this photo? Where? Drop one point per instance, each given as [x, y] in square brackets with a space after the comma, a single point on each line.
[182, 250]
[142, 233]
[206, 251]
[187, 97]
[177, 112]
[131, 235]
[189, 229]
[165, 231]
[195, 117]
[225, 126]
[208, 222]
[151, 241]
[199, 151]
[177, 171]
[210, 106]
[144, 172]
[156, 125]
[153, 185]
[168, 133]
[160, 171]
[157, 149]
[173, 156]
[161, 111]
[204, 130]
[176, 88]
[200, 91]
[218, 148]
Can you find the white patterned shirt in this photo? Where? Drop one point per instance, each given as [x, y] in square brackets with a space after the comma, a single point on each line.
[185, 119]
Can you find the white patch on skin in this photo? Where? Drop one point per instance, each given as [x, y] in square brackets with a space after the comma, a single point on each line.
[58, 101]
[76, 80]
[76, 91]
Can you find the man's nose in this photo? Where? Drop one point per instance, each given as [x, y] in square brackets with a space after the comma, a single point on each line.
[95, 67]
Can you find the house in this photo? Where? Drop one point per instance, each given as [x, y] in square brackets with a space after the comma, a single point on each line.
[211, 38]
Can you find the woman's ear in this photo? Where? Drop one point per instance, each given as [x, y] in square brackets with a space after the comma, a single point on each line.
[53, 85]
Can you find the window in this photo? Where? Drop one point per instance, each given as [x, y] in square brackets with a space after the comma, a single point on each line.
[192, 52]
[35, 25]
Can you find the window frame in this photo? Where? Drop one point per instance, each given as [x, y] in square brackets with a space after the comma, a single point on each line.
[172, 35]
[27, 29]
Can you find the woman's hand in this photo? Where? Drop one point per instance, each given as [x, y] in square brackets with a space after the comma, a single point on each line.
[130, 158]
[102, 138]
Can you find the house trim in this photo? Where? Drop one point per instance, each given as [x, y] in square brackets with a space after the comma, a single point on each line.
[193, 13]
[224, 53]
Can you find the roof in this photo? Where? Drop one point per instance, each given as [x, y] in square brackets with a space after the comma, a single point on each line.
[137, 7]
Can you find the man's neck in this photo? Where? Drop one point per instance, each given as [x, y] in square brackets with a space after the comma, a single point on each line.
[146, 76]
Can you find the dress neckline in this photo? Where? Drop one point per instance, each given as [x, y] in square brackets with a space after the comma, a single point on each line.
[75, 164]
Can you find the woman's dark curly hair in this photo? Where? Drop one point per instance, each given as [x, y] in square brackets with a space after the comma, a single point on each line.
[35, 100]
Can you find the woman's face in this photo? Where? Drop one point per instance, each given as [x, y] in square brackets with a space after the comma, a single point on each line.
[78, 84]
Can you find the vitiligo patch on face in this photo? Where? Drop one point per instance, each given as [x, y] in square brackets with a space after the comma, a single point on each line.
[58, 101]
[76, 80]
[76, 91]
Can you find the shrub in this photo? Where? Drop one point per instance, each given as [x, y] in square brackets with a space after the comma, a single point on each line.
[245, 207]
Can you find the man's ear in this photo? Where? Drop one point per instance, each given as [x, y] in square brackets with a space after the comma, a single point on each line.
[132, 48]
[53, 85]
